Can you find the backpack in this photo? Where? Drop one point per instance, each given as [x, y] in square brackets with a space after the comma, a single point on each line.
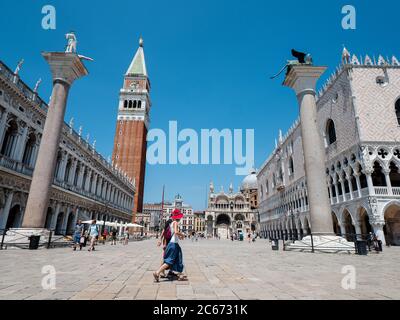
[168, 234]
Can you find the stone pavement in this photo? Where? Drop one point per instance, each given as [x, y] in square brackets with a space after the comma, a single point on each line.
[217, 269]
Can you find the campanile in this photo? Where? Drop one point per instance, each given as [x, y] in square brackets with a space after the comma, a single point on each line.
[130, 143]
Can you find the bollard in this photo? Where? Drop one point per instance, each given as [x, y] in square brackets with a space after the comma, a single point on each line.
[2, 239]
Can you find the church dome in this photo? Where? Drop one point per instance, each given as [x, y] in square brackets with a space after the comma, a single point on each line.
[250, 182]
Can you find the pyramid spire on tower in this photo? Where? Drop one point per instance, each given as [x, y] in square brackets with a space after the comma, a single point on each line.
[138, 64]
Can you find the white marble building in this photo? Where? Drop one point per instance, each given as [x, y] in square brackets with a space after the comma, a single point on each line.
[232, 212]
[359, 118]
[85, 185]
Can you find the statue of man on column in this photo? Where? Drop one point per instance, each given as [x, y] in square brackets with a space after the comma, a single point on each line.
[72, 42]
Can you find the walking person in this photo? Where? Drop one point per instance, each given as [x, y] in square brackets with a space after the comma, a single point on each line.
[173, 259]
[78, 233]
[164, 240]
[93, 234]
[113, 236]
[126, 236]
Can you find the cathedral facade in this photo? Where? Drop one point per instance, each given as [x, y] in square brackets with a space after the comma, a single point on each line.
[358, 115]
[232, 212]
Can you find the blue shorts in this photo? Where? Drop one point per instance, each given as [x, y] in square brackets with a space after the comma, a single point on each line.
[77, 238]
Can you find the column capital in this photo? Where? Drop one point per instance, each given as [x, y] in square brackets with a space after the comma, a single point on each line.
[303, 78]
[65, 67]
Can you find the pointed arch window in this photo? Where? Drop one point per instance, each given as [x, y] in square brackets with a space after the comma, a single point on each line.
[397, 108]
[291, 166]
[331, 131]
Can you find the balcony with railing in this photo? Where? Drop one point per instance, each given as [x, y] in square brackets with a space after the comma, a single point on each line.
[381, 191]
[15, 166]
[24, 169]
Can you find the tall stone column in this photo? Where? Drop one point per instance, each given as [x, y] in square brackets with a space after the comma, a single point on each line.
[65, 68]
[357, 175]
[386, 171]
[370, 183]
[303, 78]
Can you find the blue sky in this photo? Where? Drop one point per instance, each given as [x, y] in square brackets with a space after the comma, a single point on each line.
[209, 64]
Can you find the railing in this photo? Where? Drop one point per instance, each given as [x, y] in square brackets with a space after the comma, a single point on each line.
[55, 239]
[396, 191]
[381, 191]
[14, 238]
[358, 243]
[14, 165]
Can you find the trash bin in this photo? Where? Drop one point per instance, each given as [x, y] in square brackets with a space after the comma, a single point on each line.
[34, 242]
[275, 244]
[361, 246]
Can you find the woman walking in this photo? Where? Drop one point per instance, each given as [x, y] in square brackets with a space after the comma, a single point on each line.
[93, 233]
[173, 259]
[164, 240]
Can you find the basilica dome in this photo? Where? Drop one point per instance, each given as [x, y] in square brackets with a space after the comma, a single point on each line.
[250, 182]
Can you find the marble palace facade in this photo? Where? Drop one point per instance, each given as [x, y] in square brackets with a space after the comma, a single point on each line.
[358, 114]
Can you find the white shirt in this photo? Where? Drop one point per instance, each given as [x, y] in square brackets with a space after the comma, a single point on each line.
[174, 237]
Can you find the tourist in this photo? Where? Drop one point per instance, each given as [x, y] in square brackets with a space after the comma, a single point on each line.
[126, 236]
[85, 237]
[93, 234]
[173, 253]
[249, 237]
[164, 240]
[78, 233]
[114, 236]
[105, 234]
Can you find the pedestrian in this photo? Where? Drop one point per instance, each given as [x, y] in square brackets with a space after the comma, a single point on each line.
[85, 237]
[114, 236]
[164, 240]
[78, 233]
[249, 237]
[173, 258]
[105, 234]
[93, 234]
[126, 236]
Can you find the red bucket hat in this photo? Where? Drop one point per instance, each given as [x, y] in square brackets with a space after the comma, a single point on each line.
[176, 214]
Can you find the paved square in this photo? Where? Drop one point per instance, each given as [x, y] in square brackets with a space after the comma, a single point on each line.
[216, 269]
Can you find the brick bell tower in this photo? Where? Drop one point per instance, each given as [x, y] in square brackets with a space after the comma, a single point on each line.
[130, 142]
